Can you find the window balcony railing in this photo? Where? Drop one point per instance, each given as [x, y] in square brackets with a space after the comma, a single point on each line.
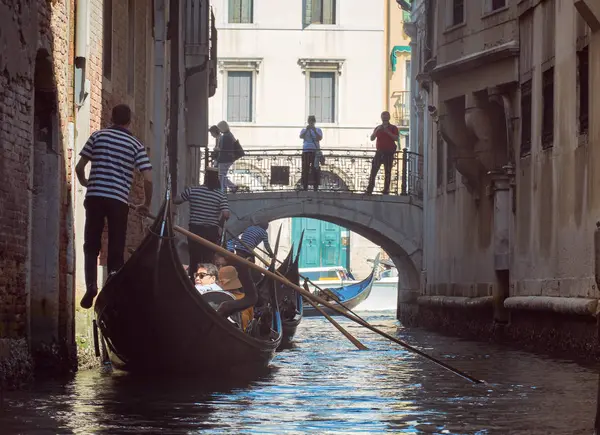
[401, 111]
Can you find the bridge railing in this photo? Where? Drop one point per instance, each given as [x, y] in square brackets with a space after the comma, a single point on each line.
[344, 170]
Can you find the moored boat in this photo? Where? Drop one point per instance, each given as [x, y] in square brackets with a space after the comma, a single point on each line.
[347, 297]
[152, 318]
[290, 301]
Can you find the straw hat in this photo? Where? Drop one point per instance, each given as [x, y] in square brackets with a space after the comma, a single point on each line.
[223, 126]
[228, 278]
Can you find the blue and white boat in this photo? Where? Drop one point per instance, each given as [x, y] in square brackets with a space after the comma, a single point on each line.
[346, 297]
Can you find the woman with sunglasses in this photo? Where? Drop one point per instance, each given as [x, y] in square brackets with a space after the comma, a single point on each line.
[205, 278]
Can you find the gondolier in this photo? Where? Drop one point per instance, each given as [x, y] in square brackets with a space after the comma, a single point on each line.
[208, 212]
[251, 238]
[114, 154]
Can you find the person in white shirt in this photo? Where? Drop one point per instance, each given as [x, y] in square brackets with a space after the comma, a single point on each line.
[312, 136]
[205, 278]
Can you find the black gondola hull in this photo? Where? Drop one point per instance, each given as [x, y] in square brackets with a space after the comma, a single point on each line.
[153, 319]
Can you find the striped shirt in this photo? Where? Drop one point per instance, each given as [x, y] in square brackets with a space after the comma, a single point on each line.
[114, 153]
[206, 205]
[252, 238]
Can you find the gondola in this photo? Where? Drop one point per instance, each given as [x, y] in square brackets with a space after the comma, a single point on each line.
[290, 301]
[348, 297]
[152, 319]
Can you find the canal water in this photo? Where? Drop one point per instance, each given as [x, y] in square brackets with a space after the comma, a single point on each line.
[324, 386]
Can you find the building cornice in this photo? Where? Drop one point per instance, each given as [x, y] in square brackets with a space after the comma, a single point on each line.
[239, 64]
[321, 65]
[475, 60]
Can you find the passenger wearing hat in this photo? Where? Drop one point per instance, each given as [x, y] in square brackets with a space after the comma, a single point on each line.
[225, 156]
[230, 282]
[208, 212]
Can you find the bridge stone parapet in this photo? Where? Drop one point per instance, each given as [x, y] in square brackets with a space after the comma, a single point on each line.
[394, 222]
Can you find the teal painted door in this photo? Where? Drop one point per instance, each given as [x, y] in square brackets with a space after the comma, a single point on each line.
[325, 244]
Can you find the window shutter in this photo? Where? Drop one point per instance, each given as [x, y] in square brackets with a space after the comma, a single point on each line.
[246, 11]
[234, 11]
[308, 12]
[239, 96]
[317, 11]
[328, 11]
[322, 96]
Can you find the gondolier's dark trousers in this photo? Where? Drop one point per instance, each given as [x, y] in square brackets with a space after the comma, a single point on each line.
[97, 209]
[198, 253]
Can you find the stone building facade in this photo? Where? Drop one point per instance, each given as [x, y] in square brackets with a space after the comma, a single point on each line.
[510, 203]
[57, 85]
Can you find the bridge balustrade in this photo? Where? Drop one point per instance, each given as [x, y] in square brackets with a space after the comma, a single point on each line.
[343, 170]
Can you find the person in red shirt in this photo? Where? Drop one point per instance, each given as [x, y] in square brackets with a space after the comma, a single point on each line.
[386, 135]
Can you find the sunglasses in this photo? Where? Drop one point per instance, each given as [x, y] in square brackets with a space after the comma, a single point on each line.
[201, 275]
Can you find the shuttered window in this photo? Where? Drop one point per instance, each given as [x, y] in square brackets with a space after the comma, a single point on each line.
[526, 45]
[239, 96]
[458, 12]
[241, 11]
[439, 154]
[322, 96]
[319, 12]
[549, 30]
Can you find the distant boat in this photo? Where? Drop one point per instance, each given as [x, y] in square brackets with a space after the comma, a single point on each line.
[328, 277]
[384, 293]
[348, 297]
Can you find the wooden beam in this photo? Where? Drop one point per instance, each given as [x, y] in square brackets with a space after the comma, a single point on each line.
[590, 12]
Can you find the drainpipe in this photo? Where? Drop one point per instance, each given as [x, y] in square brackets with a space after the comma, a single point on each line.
[387, 36]
[158, 127]
[81, 37]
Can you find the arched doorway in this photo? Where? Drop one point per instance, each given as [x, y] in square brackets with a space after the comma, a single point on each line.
[45, 209]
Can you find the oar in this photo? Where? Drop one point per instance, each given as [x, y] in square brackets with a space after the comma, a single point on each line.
[339, 327]
[331, 294]
[316, 299]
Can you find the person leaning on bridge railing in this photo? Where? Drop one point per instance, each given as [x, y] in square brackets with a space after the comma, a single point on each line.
[311, 152]
[386, 135]
[226, 156]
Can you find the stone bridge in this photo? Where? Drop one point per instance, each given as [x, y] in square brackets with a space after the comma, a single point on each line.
[395, 222]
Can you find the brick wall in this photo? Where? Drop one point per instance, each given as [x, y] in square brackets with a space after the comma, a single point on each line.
[107, 93]
[31, 26]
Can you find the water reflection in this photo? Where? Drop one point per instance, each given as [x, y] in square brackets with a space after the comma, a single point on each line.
[324, 386]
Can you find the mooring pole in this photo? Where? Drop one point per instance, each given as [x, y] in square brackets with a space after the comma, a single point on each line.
[597, 276]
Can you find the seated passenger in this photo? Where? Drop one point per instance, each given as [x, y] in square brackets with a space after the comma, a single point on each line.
[230, 282]
[206, 278]
[220, 260]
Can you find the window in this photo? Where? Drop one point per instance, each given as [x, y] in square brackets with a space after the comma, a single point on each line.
[497, 4]
[240, 96]
[322, 96]
[440, 160]
[241, 11]
[548, 108]
[583, 89]
[319, 12]
[131, 47]
[107, 30]
[526, 117]
[407, 77]
[458, 12]
[450, 165]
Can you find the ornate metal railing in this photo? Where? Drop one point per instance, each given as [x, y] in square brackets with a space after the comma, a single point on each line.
[344, 170]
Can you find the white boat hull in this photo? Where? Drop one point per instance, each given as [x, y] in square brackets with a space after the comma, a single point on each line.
[383, 297]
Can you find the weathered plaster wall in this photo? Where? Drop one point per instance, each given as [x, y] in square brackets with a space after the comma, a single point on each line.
[555, 203]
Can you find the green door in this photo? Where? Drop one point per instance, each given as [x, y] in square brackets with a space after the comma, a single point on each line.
[325, 244]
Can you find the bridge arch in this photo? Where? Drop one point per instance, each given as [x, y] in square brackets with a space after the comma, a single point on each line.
[392, 222]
